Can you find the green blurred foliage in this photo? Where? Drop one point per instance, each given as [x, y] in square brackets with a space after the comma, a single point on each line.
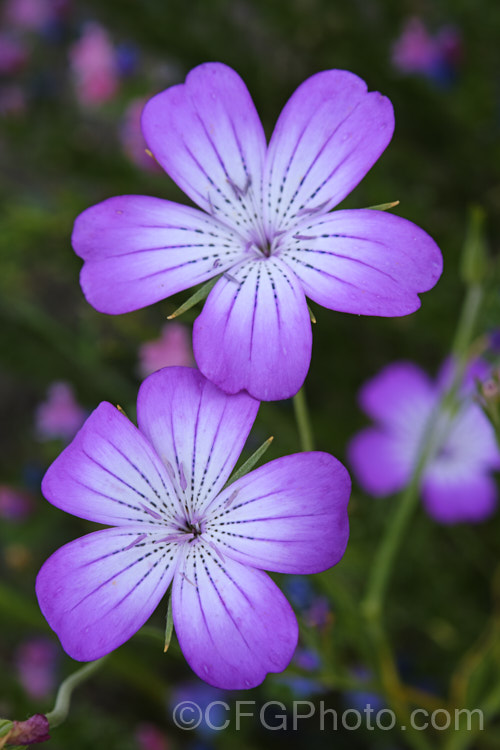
[57, 158]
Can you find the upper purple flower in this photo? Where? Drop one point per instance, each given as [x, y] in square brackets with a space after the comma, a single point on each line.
[456, 484]
[267, 227]
[161, 487]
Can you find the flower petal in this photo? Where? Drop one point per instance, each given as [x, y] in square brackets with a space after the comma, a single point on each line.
[110, 474]
[289, 516]
[97, 591]
[471, 441]
[197, 430]
[330, 133]
[233, 623]
[207, 135]
[139, 250]
[401, 396]
[254, 332]
[454, 498]
[363, 261]
[381, 462]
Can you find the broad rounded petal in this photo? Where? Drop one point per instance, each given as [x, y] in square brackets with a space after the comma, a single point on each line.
[233, 623]
[138, 250]
[456, 498]
[111, 474]
[465, 443]
[382, 463]
[97, 591]
[400, 396]
[197, 430]
[363, 261]
[208, 137]
[289, 516]
[330, 133]
[254, 332]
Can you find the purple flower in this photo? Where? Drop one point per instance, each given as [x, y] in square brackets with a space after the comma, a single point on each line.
[60, 416]
[267, 228]
[13, 54]
[456, 484]
[436, 57]
[36, 667]
[207, 699]
[172, 349]
[161, 487]
[131, 137]
[94, 66]
[150, 737]
[15, 505]
[35, 15]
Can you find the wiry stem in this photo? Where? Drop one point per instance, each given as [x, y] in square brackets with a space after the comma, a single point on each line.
[303, 421]
[63, 699]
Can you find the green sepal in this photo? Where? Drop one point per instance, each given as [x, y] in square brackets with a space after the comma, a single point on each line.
[198, 296]
[250, 463]
[169, 625]
[384, 206]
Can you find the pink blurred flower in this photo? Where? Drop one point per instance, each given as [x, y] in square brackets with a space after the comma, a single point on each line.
[15, 505]
[36, 667]
[149, 737]
[60, 416]
[171, 349]
[13, 54]
[417, 51]
[132, 139]
[94, 66]
[34, 15]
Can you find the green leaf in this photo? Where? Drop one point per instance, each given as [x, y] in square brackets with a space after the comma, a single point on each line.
[248, 465]
[198, 296]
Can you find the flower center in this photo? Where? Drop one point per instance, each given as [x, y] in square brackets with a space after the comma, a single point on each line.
[195, 529]
[265, 249]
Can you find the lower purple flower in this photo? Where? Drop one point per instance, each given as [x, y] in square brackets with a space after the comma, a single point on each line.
[457, 485]
[162, 488]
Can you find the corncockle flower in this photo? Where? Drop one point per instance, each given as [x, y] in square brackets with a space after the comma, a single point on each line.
[162, 488]
[36, 666]
[13, 54]
[436, 57]
[94, 66]
[15, 505]
[209, 702]
[35, 15]
[150, 737]
[172, 349]
[360, 699]
[60, 416]
[456, 484]
[266, 227]
[132, 139]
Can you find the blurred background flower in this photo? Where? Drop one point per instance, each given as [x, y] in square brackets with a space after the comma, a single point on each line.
[59, 155]
[60, 416]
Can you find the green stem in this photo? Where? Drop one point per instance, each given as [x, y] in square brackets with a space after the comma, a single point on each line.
[386, 553]
[303, 421]
[61, 709]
